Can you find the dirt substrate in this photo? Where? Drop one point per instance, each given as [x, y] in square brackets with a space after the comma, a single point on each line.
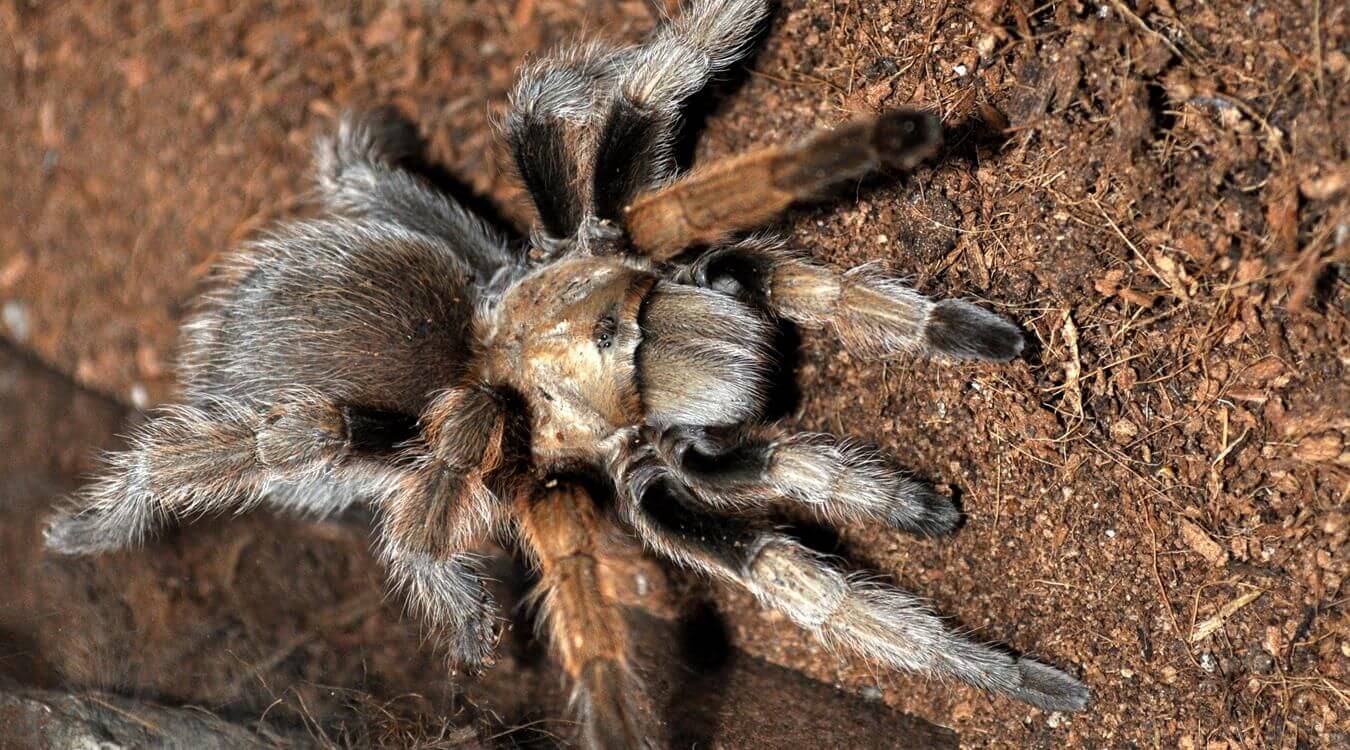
[1155, 495]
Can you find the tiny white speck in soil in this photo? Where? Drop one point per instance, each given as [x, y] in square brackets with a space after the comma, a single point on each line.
[1207, 662]
[15, 316]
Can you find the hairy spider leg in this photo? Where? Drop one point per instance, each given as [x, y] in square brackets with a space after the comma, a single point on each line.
[873, 314]
[562, 532]
[840, 480]
[882, 623]
[711, 203]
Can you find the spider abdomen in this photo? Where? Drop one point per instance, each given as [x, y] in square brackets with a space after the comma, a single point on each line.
[364, 312]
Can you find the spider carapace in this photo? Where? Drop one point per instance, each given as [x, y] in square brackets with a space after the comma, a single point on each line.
[398, 352]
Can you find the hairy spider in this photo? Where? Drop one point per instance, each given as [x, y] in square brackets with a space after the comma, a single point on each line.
[399, 352]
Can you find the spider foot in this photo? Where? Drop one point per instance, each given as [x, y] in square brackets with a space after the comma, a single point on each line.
[82, 534]
[1046, 687]
[918, 508]
[962, 330]
[472, 646]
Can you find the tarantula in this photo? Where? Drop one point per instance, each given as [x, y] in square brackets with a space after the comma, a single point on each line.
[399, 352]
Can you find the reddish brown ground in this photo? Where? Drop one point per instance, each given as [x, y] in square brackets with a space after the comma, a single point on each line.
[1156, 191]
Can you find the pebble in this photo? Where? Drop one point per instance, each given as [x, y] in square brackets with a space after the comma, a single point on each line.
[15, 316]
[1207, 662]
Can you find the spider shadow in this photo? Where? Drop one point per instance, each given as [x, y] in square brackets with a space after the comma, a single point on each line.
[708, 101]
[511, 571]
[964, 142]
[22, 661]
[705, 657]
[784, 393]
[448, 183]
[967, 140]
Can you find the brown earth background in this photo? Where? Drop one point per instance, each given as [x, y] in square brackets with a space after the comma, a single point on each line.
[1156, 494]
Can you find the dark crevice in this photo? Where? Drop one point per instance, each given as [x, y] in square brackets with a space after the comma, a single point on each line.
[9, 348]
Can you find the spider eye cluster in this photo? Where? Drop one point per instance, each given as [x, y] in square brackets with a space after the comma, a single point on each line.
[605, 330]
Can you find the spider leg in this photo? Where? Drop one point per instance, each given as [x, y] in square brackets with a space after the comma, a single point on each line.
[633, 97]
[676, 61]
[839, 479]
[440, 581]
[881, 623]
[561, 531]
[745, 192]
[360, 174]
[225, 456]
[553, 104]
[439, 508]
[190, 461]
[873, 314]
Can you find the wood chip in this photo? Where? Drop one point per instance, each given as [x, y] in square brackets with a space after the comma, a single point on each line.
[1208, 627]
[1330, 184]
[1202, 543]
[1073, 368]
[14, 270]
[1324, 447]
[1123, 431]
[387, 28]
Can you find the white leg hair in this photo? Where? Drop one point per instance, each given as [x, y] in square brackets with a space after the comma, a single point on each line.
[676, 62]
[318, 498]
[708, 37]
[568, 84]
[841, 480]
[883, 624]
[190, 461]
[447, 595]
[359, 175]
[875, 315]
[891, 627]
[554, 106]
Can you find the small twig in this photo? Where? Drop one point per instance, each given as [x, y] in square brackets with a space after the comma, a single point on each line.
[127, 714]
[1162, 590]
[1207, 628]
[1125, 11]
[1229, 448]
[1317, 45]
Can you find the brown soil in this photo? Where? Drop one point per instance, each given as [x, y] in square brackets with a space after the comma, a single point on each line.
[1156, 495]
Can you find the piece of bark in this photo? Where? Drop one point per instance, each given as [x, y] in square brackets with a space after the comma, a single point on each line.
[49, 719]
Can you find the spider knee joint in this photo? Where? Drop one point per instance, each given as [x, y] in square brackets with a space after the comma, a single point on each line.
[292, 436]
